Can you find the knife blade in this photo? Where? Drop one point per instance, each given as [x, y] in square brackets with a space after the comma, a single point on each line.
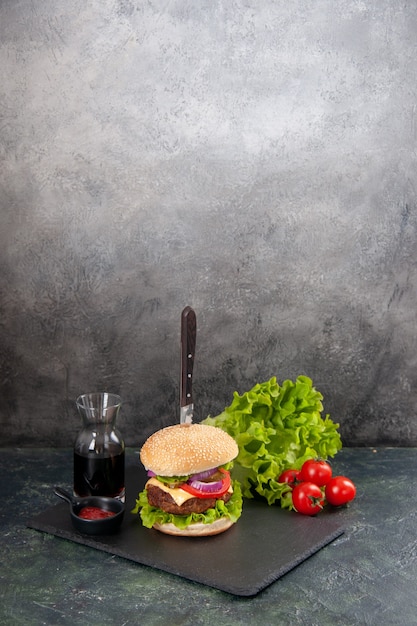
[188, 342]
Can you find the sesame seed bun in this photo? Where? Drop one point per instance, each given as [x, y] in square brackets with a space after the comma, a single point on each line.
[186, 449]
[196, 530]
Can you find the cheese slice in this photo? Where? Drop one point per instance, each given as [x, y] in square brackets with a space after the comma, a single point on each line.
[177, 494]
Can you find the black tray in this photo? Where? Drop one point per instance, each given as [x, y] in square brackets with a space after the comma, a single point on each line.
[262, 546]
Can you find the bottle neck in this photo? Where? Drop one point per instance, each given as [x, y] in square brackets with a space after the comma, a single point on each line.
[99, 409]
[107, 421]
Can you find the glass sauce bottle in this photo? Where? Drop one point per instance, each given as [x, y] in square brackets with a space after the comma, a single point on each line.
[99, 449]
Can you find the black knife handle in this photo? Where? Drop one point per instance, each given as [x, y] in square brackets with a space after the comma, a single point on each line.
[188, 341]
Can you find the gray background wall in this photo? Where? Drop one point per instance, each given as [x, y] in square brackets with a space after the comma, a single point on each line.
[255, 160]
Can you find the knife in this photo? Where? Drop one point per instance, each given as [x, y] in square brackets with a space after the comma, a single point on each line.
[188, 340]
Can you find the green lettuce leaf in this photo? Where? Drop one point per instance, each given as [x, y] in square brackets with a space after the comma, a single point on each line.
[151, 515]
[276, 428]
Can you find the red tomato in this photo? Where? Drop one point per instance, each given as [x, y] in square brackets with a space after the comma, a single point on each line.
[316, 471]
[290, 476]
[340, 490]
[307, 498]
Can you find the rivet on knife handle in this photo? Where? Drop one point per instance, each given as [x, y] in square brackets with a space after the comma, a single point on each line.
[188, 342]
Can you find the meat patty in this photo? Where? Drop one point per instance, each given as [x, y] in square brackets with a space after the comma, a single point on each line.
[161, 499]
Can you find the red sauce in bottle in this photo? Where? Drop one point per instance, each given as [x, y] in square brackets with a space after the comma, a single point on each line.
[94, 512]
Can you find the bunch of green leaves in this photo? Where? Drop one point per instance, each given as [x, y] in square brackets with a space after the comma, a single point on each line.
[276, 428]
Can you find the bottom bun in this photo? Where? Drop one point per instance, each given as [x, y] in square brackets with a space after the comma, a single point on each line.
[196, 530]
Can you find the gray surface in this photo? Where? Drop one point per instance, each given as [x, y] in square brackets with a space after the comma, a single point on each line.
[366, 577]
[256, 161]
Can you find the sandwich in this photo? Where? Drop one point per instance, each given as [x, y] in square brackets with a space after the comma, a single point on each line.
[189, 491]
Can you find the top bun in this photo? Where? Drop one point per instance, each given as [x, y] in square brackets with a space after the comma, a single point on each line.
[186, 449]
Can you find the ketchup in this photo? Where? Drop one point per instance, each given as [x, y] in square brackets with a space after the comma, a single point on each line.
[94, 512]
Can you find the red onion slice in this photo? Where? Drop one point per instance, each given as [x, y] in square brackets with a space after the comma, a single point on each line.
[203, 475]
[206, 487]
